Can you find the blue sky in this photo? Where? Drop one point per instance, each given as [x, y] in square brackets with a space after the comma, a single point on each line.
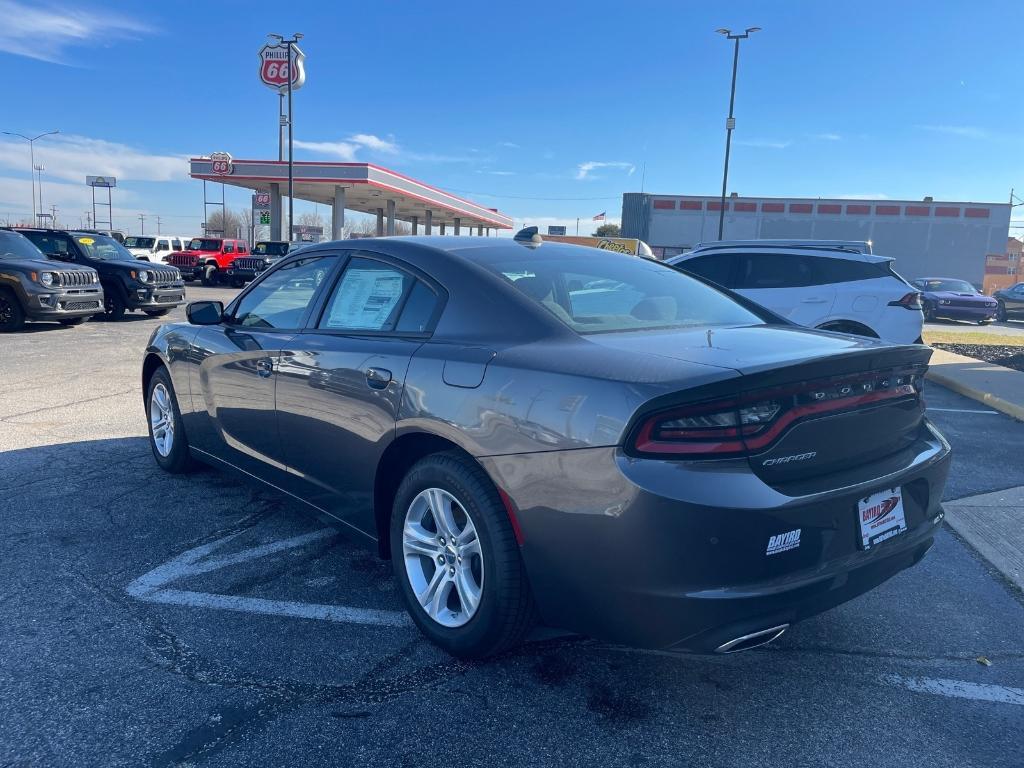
[547, 111]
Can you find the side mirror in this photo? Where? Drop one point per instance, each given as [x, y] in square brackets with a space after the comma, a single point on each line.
[205, 312]
[60, 256]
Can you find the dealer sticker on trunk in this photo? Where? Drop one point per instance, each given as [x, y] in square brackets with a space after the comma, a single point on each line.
[881, 517]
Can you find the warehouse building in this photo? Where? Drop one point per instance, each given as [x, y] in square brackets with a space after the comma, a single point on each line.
[927, 238]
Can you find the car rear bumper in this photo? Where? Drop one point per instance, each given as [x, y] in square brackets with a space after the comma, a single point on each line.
[672, 554]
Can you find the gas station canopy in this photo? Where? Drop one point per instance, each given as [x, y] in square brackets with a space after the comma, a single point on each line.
[360, 187]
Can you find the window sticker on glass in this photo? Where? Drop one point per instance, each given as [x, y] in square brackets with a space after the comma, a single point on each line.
[366, 299]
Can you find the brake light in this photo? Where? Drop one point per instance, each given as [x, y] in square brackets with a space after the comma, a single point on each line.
[755, 420]
[910, 301]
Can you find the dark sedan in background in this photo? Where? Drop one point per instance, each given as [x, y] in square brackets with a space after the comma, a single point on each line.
[952, 299]
[545, 432]
[1011, 302]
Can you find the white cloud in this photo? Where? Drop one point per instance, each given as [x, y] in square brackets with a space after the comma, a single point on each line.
[343, 150]
[375, 143]
[827, 136]
[72, 158]
[963, 131]
[583, 169]
[763, 143]
[44, 32]
[509, 144]
[347, 150]
[498, 173]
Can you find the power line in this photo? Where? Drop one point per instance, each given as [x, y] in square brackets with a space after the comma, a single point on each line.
[519, 197]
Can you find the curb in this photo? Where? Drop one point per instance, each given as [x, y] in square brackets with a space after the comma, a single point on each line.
[998, 403]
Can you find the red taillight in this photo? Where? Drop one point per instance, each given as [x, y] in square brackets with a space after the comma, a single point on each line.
[910, 301]
[753, 421]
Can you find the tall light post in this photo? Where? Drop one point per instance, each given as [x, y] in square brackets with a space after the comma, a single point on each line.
[730, 124]
[290, 42]
[32, 162]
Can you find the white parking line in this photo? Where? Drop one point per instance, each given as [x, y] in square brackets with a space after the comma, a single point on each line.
[152, 586]
[959, 689]
[960, 410]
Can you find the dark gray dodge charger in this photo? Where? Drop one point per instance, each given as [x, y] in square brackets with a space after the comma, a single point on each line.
[557, 434]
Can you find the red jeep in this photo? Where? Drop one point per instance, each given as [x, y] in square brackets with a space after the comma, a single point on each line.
[207, 258]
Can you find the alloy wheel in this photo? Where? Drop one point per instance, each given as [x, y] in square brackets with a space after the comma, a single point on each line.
[443, 557]
[161, 420]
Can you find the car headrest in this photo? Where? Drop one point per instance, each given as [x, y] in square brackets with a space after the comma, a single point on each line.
[537, 288]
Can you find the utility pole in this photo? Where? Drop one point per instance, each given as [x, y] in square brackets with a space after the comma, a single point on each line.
[88, 220]
[158, 225]
[142, 223]
[39, 169]
[32, 162]
[53, 215]
[730, 123]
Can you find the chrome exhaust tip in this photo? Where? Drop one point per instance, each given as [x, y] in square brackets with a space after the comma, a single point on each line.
[753, 640]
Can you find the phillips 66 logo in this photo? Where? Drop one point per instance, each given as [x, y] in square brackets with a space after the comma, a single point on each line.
[275, 69]
[221, 163]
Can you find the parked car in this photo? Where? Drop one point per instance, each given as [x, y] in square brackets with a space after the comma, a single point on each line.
[653, 461]
[1010, 302]
[157, 248]
[208, 258]
[264, 254]
[128, 284]
[954, 299]
[832, 288]
[34, 288]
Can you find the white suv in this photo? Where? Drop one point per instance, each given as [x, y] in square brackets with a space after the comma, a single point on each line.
[826, 286]
[156, 248]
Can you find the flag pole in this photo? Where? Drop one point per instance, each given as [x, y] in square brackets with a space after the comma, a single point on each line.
[577, 225]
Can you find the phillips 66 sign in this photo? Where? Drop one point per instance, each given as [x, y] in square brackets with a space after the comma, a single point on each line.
[275, 69]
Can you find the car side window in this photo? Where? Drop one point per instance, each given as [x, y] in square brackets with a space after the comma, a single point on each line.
[716, 267]
[830, 270]
[176, 244]
[229, 248]
[368, 297]
[161, 245]
[419, 309]
[51, 245]
[762, 271]
[280, 300]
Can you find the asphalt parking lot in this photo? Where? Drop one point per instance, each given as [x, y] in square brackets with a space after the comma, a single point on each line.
[158, 620]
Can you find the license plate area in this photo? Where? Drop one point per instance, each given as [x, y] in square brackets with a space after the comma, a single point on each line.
[881, 516]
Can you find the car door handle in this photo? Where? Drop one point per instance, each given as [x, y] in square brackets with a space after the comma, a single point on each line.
[378, 378]
[265, 367]
[813, 300]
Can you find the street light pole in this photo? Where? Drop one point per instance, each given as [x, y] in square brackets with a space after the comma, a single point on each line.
[290, 42]
[730, 123]
[32, 164]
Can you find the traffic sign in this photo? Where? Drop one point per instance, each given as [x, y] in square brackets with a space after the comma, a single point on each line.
[100, 181]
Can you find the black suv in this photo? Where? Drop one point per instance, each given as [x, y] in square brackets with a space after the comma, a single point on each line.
[33, 288]
[127, 282]
[264, 255]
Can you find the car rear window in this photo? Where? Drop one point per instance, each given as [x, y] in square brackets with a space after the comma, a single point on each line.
[595, 291]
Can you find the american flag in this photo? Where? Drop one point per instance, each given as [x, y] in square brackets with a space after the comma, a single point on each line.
[599, 217]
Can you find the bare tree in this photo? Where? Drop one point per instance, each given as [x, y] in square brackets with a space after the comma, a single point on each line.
[227, 224]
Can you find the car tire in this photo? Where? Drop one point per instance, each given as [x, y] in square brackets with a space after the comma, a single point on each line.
[114, 307]
[484, 566]
[72, 321]
[12, 316]
[157, 312]
[236, 283]
[166, 432]
[929, 313]
[845, 326]
[1001, 312]
[210, 277]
